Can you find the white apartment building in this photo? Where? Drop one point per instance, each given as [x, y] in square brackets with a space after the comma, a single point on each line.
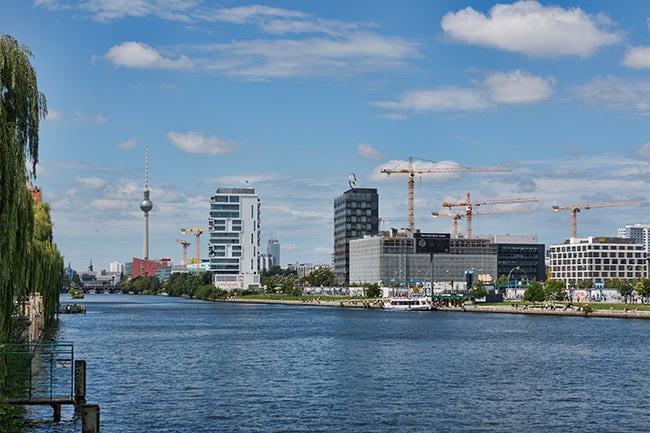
[234, 244]
[598, 259]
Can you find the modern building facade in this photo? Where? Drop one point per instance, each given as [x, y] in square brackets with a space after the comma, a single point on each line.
[390, 259]
[522, 256]
[640, 233]
[273, 251]
[356, 214]
[597, 258]
[234, 244]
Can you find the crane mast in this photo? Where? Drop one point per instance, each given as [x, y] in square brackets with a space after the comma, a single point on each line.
[411, 172]
[197, 233]
[185, 244]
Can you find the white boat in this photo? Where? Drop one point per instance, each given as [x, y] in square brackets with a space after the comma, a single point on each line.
[408, 304]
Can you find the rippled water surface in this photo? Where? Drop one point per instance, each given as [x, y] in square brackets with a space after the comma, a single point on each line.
[159, 364]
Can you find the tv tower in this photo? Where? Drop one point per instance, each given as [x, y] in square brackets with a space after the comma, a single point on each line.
[146, 204]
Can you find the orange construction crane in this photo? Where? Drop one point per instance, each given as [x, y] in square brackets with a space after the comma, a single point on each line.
[412, 171]
[185, 244]
[197, 232]
[469, 207]
[575, 208]
[456, 216]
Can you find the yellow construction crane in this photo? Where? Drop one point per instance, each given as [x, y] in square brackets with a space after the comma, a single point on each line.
[469, 207]
[412, 171]
[197, 232]
[454, 221]
[456, 216]
[575, 208]
[385, 220]
[185, 244]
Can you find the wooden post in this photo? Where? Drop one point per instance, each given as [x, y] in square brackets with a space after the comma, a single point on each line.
[79, 382]
[90, 418]
[57, 412]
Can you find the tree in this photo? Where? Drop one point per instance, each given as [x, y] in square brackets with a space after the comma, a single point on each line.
[625, 289]
[535, 292]
[642, 287]
[478, 289]
[555, 290]
[372, 290]
[321, 277]
[22, 106]
[587, 283]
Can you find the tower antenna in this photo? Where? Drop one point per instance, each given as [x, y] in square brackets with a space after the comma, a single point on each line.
[146, 205]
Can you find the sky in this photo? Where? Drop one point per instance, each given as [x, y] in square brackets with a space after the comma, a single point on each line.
[291, 97]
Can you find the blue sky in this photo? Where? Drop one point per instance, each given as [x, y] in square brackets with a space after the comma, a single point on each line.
[293, 96]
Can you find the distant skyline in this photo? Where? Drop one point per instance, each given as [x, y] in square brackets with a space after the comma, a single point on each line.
[291, 97]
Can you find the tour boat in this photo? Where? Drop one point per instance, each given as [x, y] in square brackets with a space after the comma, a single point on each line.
[408, 304]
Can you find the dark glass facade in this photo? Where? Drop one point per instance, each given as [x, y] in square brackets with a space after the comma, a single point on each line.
[529, 257]
[356, 214]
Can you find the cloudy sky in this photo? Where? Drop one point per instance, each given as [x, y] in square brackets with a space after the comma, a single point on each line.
[293, 96]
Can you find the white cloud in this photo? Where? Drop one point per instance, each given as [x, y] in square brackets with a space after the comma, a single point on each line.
[261, 59]
[644, 151]
[100, 118]
[514, 87]
[518, 87]
[128, 144]
[366, 151]
[90, 182]
[106, 11]
[193, 142]
[615, 93]
[141, 56]
[53, 115]
[450, 98]
[532, 29]
[637, 57]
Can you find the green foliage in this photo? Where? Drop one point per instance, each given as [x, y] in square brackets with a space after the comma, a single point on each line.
[208, 292]
[554, 289]
[625, 289]
[183, 284]
[320, 277]
[535, 292]
[587, 283]
[478, 289]
[502, 281]
[281, 283]
[642, 287]
[10, 419]
[142, 285]
[373, 290]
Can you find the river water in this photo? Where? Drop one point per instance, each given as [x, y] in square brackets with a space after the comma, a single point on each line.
[160, 364]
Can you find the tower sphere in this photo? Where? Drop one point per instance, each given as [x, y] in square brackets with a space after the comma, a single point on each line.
[145, 204]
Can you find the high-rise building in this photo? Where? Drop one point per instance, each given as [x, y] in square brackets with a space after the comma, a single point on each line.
[273, 250]
[234, 244]
[640, 233]
[356, 214]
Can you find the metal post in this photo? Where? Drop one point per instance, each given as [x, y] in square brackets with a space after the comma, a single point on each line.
[79, 382]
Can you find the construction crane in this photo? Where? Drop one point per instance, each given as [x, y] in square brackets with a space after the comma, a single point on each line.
[393, 219]
[197, 232]
[575, 208]
[412, 171]
[454, 221]
[456, 216]
[469, 207]
[185, 244]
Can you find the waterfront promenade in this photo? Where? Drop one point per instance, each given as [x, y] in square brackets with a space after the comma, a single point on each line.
[506, 308]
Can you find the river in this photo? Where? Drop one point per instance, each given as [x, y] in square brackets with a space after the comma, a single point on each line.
[161, 364]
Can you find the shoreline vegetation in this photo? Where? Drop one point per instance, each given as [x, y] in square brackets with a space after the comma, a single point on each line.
[593, 309]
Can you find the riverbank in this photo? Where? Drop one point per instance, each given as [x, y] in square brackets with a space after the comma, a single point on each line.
[630, 313]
